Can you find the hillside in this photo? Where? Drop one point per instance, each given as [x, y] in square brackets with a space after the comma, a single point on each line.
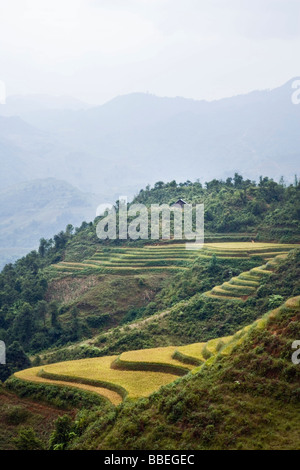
[150, 329]
[263, 211]
[248, 399]
[235, 209]
[18, 413]
[184, 311]
[76, 287]
[252, 369]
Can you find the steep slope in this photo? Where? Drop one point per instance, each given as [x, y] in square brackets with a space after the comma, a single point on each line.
[253, 369]
[244, 398]
[181, 312]
[17, 414]
[246, 284]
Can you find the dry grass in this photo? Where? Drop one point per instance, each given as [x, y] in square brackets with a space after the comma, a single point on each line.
[137, 383]
[161, 355]
[31, 375]
[248, 246]
[293, 303]
[192, 350]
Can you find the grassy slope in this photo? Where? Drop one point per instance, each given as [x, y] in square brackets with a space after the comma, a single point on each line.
[196, 318]
[285, 282]
[139, 373]
[110, 295]
[17, 413]
[247, 399]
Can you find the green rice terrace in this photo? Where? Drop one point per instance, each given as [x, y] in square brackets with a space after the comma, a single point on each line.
[246, 284]
[168, 257]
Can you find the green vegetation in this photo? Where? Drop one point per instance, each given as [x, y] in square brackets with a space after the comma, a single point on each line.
[251, 369]
[266, 211]
[236, 207]
[192, 317]
[26, 424]
[172, 257]
[148, 338]
[247, 399]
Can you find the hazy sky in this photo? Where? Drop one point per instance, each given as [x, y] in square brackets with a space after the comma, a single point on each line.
[97, 49]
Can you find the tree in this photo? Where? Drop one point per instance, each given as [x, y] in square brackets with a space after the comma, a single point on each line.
[75, 326]
[53, 310]
[238, 180]
[69, 230]
[27, 440]
[16, 359]
[43, 247]
[41, 311]
[282, 182]
[213, 265]
[23, 325]
[159, 185]
[61, 239]
[62, 434]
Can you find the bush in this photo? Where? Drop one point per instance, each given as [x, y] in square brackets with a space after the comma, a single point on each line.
[27, 440]
[63, 434]
[16, 415]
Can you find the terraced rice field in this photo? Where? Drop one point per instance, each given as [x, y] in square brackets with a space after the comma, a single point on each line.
[162, 355]
[31, 375]
[246, 284]
[165, 257]
[89, 371]
[101, 376]
[106, 377]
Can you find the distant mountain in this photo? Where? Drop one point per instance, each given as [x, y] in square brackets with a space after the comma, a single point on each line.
[17, 105]
[36, 209]
[139, 138]
[170, 138]
[29, 153]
